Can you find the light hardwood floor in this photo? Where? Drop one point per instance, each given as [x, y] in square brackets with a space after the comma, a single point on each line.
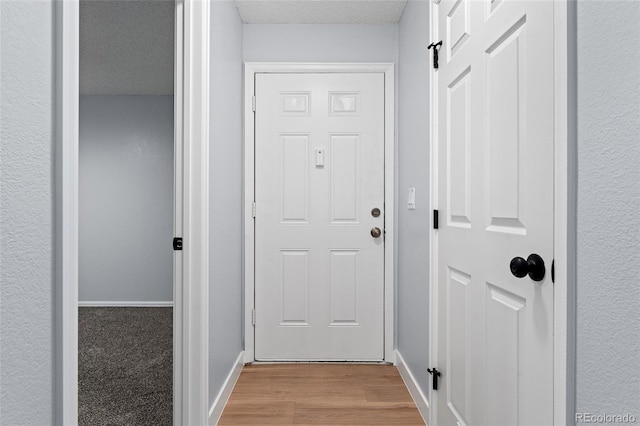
[320, 394]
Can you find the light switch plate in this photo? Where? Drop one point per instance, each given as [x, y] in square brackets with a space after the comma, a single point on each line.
[411, 203]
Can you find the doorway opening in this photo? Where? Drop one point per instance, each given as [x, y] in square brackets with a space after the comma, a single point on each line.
[126, 214]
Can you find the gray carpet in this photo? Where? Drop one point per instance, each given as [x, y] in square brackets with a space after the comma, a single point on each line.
[125, 366]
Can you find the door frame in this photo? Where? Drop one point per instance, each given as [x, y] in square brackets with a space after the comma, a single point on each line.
[564, 210]
[250, 69]
[191, 216]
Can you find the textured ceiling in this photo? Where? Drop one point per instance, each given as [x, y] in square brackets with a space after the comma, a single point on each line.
[126, 47]
[320, 11]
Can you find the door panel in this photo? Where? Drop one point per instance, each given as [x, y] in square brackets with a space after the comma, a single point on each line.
[344, 287]
[458, 150]
[495, 177]
[295, 178]
[295, 287]
[504, 106]
[345, 185]
[457, 362]
[319, 172]
[504, 319]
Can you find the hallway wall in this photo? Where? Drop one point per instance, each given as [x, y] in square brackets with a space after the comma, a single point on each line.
[126, 199]
[320, 43]
[27, 208]
[608, 195]
[225, 202]
[413, 171]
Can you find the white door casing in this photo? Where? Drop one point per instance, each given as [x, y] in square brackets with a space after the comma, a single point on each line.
[495, 195]
[194, 283]
[319, 173]
[66, 215]
[252, 69]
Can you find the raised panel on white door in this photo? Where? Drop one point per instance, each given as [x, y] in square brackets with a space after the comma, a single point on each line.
[504, 315]
[295, 178]
[345, 173]
[458, 369]
[458, 150]
[458, 30]
[505, 95]
[491, 6]
[344, 103]
[344, 287]
[295, 287]
[295, 103]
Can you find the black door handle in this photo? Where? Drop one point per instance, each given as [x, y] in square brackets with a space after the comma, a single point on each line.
[533, 266]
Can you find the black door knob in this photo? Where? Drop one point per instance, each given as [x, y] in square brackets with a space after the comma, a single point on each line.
[533, 266]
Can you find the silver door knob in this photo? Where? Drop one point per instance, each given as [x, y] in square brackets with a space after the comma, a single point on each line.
[376, 232]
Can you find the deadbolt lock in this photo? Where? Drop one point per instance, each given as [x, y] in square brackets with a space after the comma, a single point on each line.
[375, 212]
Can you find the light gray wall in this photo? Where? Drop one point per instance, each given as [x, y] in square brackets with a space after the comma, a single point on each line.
[26, 212]
[226, 175]
[126, 199]
[320, 43]
[608, 223]
[413, 171]
[320, 12]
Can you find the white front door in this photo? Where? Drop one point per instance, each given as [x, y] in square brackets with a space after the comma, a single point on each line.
[319, 191]
[495, 197]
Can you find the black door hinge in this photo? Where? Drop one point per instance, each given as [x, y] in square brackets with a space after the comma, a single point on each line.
[435, 373]
[435, 219]
[177, 243]
[436, 48]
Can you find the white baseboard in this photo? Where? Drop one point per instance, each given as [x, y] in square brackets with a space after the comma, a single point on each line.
[223, 396]
[416, 393]
[139, 304]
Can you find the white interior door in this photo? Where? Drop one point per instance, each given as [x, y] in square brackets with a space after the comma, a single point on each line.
[495, 196]
[319, 173]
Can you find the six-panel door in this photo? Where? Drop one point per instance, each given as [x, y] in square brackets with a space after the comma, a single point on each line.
[319, 144]
[495, 194]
